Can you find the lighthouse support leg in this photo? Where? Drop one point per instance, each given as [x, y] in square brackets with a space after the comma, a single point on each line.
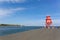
[47, 26]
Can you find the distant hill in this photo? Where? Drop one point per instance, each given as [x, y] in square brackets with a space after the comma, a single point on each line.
[9, 25]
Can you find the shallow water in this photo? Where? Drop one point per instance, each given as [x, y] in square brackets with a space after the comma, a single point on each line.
[11, 29]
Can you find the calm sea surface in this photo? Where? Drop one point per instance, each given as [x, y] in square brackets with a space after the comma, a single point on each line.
[6, 30]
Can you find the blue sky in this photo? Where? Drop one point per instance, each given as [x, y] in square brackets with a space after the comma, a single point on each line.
[29, 12]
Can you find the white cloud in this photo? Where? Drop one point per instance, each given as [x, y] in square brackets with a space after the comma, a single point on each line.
[6, 12]
[13, 1]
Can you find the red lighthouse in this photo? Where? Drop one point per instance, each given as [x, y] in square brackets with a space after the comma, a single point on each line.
[48, 21]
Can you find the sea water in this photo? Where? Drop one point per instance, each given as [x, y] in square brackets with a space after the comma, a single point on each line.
[6, 30]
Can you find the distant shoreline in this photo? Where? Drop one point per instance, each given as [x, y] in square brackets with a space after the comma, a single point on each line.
[9, 25]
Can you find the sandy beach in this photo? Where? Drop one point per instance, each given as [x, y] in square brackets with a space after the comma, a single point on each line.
[38, 34]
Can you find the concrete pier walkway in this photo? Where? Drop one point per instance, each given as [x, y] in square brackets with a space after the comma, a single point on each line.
[39, 34]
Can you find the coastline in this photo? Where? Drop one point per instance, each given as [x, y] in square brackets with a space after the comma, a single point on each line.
[10, 25]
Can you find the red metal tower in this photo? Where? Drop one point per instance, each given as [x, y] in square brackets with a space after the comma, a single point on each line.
[48, 21]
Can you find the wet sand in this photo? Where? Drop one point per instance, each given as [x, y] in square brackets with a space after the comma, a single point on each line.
[38, 34]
